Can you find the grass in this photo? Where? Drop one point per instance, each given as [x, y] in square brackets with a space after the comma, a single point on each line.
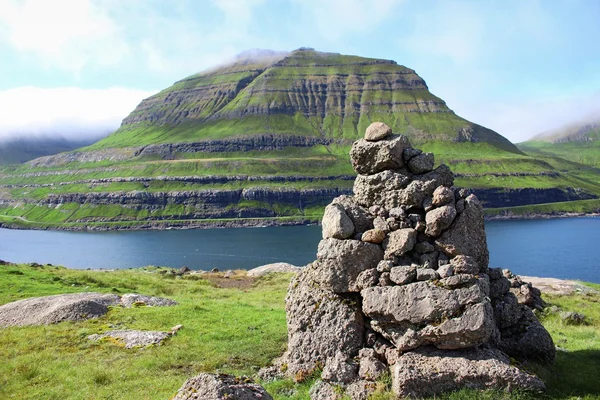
[232, 330]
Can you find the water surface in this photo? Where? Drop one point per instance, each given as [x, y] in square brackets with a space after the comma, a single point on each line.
[561, 248]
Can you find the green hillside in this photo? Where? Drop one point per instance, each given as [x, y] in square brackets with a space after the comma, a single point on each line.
[266, 141]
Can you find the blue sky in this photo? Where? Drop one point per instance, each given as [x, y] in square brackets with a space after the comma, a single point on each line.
[79, 66]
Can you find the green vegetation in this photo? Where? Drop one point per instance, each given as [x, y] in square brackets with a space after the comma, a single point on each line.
[235, 329]
[583, 152]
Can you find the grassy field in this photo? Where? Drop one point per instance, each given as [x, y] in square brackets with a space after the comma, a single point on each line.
[234, 325]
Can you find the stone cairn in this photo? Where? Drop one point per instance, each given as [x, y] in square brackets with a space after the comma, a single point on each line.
[401, 285]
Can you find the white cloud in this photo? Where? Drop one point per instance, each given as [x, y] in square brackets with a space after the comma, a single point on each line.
[67, 111]
[68, 34]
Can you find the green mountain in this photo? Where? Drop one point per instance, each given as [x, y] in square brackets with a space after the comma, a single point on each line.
[576, 142]
[265, 139]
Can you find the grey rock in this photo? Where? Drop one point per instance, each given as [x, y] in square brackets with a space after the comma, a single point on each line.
[320, 324]
[572, 318]
[392, 224]
[367, 279]
[361, 218]
[445, 270]
[420, 226]
[373, 236]
[465, 265]
[397, 212]
[422, 163]
[133, 299]
[385, 266]
[381, 224]
[133, 338]
[371, 157]
[507, 311]
[370, 368]
[424, 247]
[384, 279]
[466, 236]
[439, 219]
[280, 267]
[339, 369]
[426, 274]
[455, 281]
[360, 390]
[404, 274]
[341, 261]
[429, 260]
[57, 308]
[449, 318]
[322, 390]
[399, 242]
[527, 339]
[219, 387]
[441, 196]
[377, 131]
[336, 224]
[460, 206]
[427, 372]
[410, 153]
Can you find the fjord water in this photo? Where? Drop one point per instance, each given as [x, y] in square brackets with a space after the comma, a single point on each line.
[563, 248]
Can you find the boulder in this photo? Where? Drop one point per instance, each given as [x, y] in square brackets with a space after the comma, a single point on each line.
[58, 308]
[134, 299]
[279, 267]
[466, 236]
[320, 324]
[404, 274]
[336, 224]
[373, 236]
[220, 387]
[527, 339]
[339, 262]
[372, 157]
[421, 163]
[464, 265]
[377, 131]
[427, 372]
[133, 338]
[339, 369]
[439, 219]
[361, 218]
[422, 313]
[399, 242]
[441, 196]
[371, 368]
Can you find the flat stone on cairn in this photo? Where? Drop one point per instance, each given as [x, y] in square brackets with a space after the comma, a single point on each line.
[401, 283]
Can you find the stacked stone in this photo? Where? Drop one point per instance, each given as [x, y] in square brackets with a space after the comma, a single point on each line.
[401, 284]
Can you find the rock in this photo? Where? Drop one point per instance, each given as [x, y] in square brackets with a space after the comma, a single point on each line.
[426, 274]
[373, 236]
[397, 212]
[410, 153]
[385, 266]
[450, 319]
[279, 267]
[339, 369]
[527, 339]
[507, 311]
[403, 275]
[322, 390]
[361, 218]
[360, 390]
[439, 219]
[341, 261]
[429, 260]
[367, 278]
[422, 163]
[464, 265]
[572, 318]
[467, 235]
[371, 157]
[424, 247]
[427, 372]
[399, 242]
[441, 196]
[445, 270]
[336, 224]
[133, 299]
[456, 281]
[377, 131]
[371, 368]
[460, 206]
[219, 387]
[57, 308]
[381, 224]
[384, 279]
[320, 324]
[133, 338]
[184, 270]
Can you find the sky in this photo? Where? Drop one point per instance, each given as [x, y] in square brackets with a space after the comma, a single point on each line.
[78, 67]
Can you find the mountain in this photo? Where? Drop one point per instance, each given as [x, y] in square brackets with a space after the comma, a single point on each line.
[578, 142]
[265, 139]
[16, 150]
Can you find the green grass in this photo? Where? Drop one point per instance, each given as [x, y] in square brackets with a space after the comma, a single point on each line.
[226, 330]
[583, 152]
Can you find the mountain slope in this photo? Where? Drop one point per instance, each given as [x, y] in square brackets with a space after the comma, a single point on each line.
[577, 142]
[21, 149]
[266, 140]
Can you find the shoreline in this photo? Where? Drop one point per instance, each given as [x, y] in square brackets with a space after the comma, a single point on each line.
[250, 223]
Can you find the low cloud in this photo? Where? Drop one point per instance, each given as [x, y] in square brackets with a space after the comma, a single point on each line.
[68, 112]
